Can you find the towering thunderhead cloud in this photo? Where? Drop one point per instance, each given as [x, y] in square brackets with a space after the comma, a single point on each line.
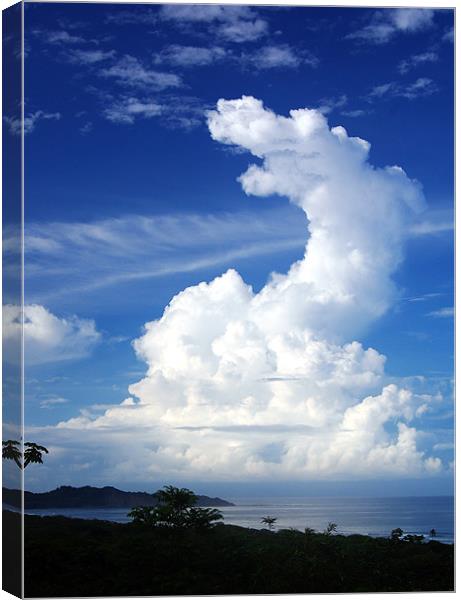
[265, 385]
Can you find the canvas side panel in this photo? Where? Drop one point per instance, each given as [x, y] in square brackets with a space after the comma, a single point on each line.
[12, 298]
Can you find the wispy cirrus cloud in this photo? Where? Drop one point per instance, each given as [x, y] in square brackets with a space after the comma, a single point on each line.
[89, 57]
[358, 112]
[61, 37]
[174, 112]
[445, 312]
[129, 71]
[416, 60]
[127, 110]
[142, 15]
[30, 121]
[434, 222]
[386, 24]
[52, 402]
[423, 86]
[327, 105]
[231, 23]
[449, 35]
[278, 56]
[191, 56]
[146, 247]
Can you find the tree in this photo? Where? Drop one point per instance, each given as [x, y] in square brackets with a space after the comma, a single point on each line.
[202, 518]
[269, 521]
[309, 531]
[175, 509]
[177, 498]
[33, 453]
[396, 534]
[10, 451]
[331, 528]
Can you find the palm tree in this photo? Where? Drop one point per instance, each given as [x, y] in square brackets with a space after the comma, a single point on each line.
[33, 453]
[269, 521]
[202, 518]
[396, 534]
[10, 451]
[175, 509]
[331, 528]
[177, 498]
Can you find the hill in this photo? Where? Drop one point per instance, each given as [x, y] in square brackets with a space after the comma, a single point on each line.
[67, 496]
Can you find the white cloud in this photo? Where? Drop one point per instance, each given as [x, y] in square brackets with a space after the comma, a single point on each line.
[142, 15]
[416, 60]
[447, 311]
[190, 56]
[127, 110]
[59, 37]
[86, 128]
[30, 121]
[327, 105]
[173, 111]
[236, 24]
[241, 31]
[278, 56]
[433, 222]
[71, 257]
[354, 113]
[129, 71]
[422, 87]
[50, 403]
[89, 57]
[449, 35]
[47, 338]
[386, 24]
[205, 13]
[245, 385]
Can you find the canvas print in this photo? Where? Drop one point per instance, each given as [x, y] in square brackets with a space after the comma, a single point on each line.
[228, 299]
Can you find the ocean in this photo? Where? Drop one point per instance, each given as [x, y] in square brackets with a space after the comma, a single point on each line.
[368, 516]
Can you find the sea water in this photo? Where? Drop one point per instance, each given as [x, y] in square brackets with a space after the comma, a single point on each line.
[367, 516]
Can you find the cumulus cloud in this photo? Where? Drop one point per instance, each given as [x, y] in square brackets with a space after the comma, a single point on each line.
[265, 385]
[385, 24]
[47, 338]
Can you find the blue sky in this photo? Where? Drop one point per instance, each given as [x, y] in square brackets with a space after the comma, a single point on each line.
[132, 196]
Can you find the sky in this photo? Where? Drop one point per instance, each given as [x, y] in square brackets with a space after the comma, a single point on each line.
[239, 247]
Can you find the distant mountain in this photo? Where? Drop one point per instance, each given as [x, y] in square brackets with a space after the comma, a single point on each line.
[67, 496]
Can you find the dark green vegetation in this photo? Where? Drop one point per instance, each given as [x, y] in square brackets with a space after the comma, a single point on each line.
[176, 508]
[74, 557]
[67, 496]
